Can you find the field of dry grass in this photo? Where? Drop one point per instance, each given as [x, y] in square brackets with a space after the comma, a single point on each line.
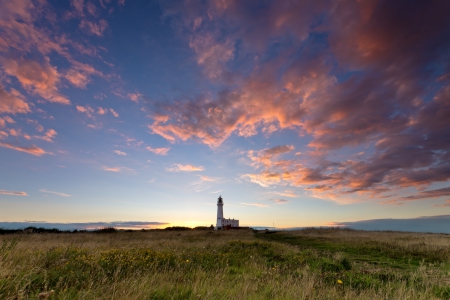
[306, 264]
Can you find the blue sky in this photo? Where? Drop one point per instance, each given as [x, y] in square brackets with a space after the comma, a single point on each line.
[298, 114]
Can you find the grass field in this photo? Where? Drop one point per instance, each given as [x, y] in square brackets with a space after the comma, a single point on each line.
[203, 264]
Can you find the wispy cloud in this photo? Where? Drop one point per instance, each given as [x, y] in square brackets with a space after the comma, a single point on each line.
[54, 193]
[33, 150]
[118, 152]
[135, 97]
[287, 193]
[112, 169]
[209, 179]
[114, 113]
[12, 193]
[185, 168]
[447, 203]
[254, 204]
[280, 201]
[158, 151]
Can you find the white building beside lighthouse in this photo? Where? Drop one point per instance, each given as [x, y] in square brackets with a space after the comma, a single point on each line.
[223, 223]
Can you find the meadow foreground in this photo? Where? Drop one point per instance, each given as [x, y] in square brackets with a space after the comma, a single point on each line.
[204, 264]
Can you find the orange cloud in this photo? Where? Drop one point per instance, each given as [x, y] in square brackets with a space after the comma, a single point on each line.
[79, 74]
[158, 151]
[89, 111]
[33, 150]
[185, 168]
[12, 102]
[101, 111]
[12, 193]
[37, 78]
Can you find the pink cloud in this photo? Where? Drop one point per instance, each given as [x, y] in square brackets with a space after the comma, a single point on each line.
[390, 101]
[101, 111]
[158, 151]
[118, 152]
[134, 96]
[49, 135]
[12, 193]
[112, 169]
[37, 78]
[114, 113]
[79, 74]
[89, 111]
[185, 168]
[33, 150]
[12, 102]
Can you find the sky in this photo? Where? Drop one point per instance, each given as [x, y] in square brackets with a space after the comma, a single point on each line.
[299, 113]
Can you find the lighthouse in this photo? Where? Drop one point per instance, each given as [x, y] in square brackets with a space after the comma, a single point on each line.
[219, 213]
[223, 223]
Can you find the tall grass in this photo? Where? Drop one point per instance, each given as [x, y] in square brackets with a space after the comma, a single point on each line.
[200, 265]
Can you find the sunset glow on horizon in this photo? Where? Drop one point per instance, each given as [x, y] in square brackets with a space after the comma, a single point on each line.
[139, 114]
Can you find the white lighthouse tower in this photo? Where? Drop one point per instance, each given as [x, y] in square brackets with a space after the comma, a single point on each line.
[219, 223]
[223, 223]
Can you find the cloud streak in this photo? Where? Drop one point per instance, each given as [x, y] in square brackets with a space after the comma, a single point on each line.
[54, 193]
[185, 168]
[33, 150]
[13, 193]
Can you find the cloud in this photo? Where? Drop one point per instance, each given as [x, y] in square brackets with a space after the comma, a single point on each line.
[158, 151]
[93, 28]
[54, 193]
[12, 193]
[89, 111]
[442, 192]
[33, 150]
[437, 224]
[36, 78]
[185, 168]
[264, 179]
[6, 119]
[280, 201]
[112, 169]
[135, 97]
[276, 70]
[101, 111]
[49, 135]
[208, 179]
[12, 102]
[79, 74]
[118, 152]
[287, 193]
[84, 226]
[114, 113]
[447, 203]
[254, 204]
